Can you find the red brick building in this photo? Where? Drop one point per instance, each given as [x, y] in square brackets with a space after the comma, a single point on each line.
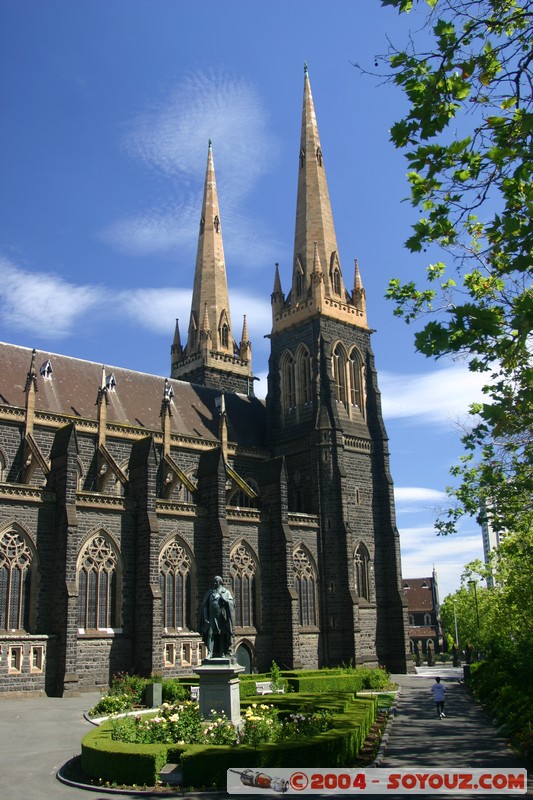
[425, 624]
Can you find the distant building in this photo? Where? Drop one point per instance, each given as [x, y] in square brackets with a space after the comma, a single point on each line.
[425, 624]
[491, 539]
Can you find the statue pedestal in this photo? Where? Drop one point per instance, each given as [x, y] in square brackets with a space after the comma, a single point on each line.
[219, 687]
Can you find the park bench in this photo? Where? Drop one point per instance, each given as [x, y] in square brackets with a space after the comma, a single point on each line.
[265, 687]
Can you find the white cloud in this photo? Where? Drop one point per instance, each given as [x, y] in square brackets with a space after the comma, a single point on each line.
[172, 137]
[418, 494]
[36, 302]
[39, 302]
[156, 230]
[157, 309]
[422, 549]
[440, 397]
[415, 499]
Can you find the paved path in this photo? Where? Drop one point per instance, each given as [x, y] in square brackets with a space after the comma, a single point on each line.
[38, 735]
[464, 739]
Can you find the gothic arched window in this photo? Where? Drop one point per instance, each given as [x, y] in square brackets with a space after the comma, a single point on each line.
[299, 284]
[175, 566]
[16, 558]
[336, 281]
[98, 584]
[305, 585]
[224, 335]
[288, 382]
[339, 373]
[243, 570]
[304, 375]
[361, 571]
[356, 379]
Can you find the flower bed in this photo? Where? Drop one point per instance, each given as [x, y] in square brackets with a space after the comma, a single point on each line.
[289, 731]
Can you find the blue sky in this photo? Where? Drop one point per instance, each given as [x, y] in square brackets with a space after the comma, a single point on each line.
[107, 108]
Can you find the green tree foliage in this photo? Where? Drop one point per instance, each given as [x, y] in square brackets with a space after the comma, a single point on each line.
[497, 622]
[467, 74]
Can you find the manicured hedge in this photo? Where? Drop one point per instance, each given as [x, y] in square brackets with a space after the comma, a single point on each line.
[247, 684]
[125, 763]
[337, 681]
[334, 748]
[121, 762]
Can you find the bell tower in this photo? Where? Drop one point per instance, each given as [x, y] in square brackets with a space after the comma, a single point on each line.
[324, 418]
[211, 356]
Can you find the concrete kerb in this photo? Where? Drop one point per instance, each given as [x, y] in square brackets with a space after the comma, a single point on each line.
[388, 727]
[179, 792]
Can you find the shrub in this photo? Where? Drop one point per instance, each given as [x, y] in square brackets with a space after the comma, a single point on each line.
[174, 691]
[118, 762]
[111, 704]
[140, 763]
[132, 685]
[260, 725]
[275, 677]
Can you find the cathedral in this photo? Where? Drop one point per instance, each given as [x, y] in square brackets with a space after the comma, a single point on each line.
[122, 493]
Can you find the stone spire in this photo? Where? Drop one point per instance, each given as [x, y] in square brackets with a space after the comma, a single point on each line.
[317, 283]
[176, 349]
[245, 344]
[359, 294]
[211, 356]
[210, 281]
[314, 218]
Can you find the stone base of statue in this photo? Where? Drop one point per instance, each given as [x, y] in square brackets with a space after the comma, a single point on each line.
[219, 687]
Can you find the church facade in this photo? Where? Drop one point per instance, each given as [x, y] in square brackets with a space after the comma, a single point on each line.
[122, 494]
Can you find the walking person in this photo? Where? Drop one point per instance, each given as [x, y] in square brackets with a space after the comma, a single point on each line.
[439, 695]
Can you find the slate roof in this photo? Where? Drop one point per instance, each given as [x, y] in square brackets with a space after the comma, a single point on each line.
[136, 400]
[418, 597]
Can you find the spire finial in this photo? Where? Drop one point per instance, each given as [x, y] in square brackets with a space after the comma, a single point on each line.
[306, 68]
[210, 144]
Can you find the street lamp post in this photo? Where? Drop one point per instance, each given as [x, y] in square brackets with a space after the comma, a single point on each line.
[455, 621]
[474, 583]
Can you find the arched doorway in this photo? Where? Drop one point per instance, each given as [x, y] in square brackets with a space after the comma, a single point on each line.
[244, 658]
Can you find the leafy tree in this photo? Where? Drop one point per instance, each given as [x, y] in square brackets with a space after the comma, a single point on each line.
[467, 137]
[497, 620]
[473, 607]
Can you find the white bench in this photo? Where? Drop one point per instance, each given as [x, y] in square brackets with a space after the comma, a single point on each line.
[265, 687]
[195, 693]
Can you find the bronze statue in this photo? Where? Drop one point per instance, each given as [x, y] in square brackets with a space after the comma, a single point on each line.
[216, 620]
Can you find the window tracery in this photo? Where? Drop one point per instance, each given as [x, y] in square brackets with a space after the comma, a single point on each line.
[175, 566]
[361, 572]
[356, 379]
[339, 373]
[288, 381]
[97, 584]
[305, 585]
[15, 581]
[304, 375]
[243, 571]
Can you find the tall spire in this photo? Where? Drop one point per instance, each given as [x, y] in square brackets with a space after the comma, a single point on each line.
[210, 281]
[314, 218]
[317, 283]
[211, 355]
